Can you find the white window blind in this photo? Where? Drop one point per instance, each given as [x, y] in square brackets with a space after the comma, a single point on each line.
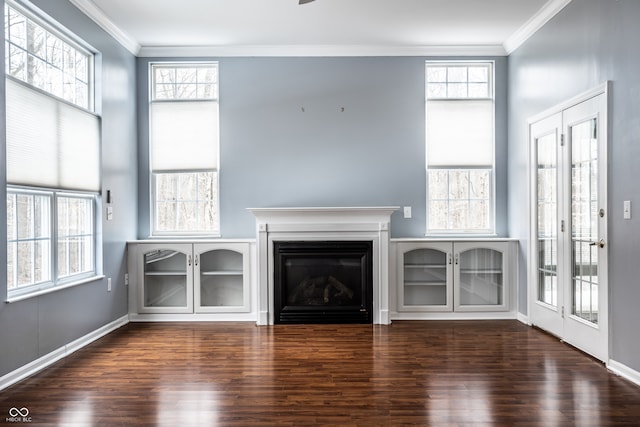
[50, 143]
[459, 132]
[184, 135]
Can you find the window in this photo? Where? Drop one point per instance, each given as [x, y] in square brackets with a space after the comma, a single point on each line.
[28, 239]
[460, 157]
[33, 259]
[75, 234]
[53, 156]
[184, 142]
[38, 56]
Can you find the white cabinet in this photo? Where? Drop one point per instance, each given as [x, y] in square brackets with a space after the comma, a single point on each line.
[183, 278]
[480, 276]
[165, 278]
[454, 276]
[221, 278]
[425, 276]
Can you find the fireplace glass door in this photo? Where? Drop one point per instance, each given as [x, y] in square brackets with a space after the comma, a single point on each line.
[323, 282]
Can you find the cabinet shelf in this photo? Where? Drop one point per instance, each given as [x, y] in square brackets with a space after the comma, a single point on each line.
[165, 273]
[424, 283]
[429, 266]
[222, 273]
[481, 271]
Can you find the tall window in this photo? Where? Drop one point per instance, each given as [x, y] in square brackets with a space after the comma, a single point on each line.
[53, 155]
[184, 142]
[460, 141]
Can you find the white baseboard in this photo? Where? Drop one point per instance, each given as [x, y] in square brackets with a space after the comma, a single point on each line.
[624, 371]
[524, 319]
[60, 353]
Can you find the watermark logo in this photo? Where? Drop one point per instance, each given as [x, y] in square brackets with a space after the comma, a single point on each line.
[18, 415]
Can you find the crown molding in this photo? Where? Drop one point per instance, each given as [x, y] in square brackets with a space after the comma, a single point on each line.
[537, 21]
[546, 13]
[318, 51]
[98, 16]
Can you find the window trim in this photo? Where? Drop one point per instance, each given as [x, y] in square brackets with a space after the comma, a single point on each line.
[491, 231]
[55, 282]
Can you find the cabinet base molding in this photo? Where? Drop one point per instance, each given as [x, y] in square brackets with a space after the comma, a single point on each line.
[454, 316]
[200, 317]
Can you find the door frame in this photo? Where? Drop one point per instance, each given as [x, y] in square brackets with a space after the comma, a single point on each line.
[602, 89]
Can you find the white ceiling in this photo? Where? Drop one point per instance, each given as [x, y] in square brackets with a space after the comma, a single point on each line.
[322, 27]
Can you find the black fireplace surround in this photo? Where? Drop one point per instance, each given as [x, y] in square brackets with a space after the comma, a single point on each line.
[323, 282]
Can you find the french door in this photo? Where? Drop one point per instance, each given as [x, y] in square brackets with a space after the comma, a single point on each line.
[568, 258]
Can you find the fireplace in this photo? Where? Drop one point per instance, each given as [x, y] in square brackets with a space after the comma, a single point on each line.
[323, 282]
[341, 225]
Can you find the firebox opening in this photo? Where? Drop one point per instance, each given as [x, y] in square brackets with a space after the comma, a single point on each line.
[323, 282]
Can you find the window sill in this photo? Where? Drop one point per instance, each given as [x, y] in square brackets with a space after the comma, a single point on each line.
[40, 292]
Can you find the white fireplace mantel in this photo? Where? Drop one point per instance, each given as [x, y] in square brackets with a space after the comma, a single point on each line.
[323, 223]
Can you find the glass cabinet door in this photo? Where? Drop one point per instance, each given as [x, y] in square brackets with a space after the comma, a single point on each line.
[166, 280]
[426, 279]
[221, 280]
[480, 275]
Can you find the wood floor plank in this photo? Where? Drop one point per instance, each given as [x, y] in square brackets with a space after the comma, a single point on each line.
[410, 373]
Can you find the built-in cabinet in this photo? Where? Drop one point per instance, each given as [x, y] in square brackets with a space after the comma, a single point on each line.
[428, 279]
[454, 277]
[185, 278]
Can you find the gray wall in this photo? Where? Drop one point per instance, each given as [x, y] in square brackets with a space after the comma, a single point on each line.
[34, 327]
[589, 42]
[274, 154]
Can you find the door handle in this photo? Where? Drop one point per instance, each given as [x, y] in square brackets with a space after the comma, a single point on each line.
[599, 243]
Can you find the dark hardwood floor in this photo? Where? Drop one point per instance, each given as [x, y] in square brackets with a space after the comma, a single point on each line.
[409, 373]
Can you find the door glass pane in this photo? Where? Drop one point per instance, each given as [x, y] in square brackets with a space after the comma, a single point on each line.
[547, 213]
[221, 278]
[165, 278]
[584, 220]
[481, 281]
[425, 277]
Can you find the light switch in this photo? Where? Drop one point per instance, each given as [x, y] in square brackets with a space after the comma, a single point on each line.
[627, 209]
[407, 211]
[109, 213]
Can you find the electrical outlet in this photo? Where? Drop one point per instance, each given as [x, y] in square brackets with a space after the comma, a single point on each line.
[126, 279]
[109, 284]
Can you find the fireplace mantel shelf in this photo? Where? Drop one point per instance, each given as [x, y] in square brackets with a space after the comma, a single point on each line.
[285, 212]
[323, 215]
[277, 210]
